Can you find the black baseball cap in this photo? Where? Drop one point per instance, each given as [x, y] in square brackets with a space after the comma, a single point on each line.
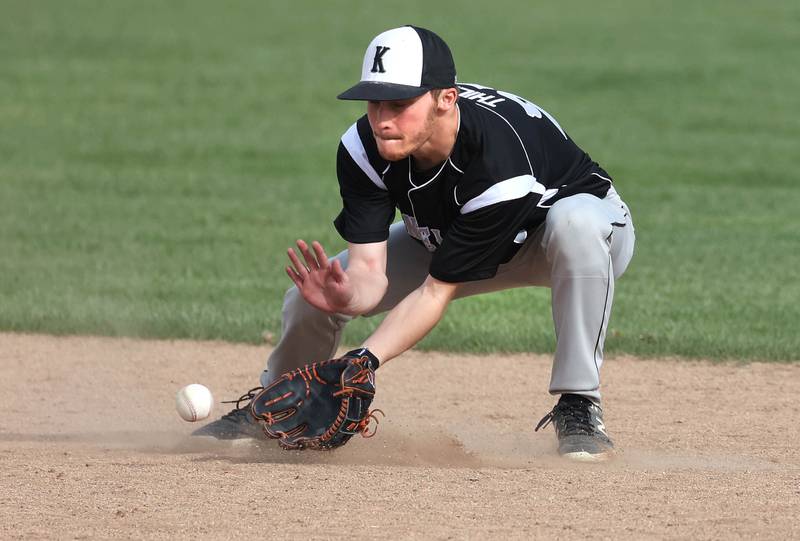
[403, 63]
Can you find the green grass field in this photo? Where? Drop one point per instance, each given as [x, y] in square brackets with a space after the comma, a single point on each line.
[156, 159]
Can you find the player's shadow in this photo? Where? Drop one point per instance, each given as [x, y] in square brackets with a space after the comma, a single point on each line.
[393, 447]
[386, 449]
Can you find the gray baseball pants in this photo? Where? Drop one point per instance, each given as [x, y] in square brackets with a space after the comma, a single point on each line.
[583, 246]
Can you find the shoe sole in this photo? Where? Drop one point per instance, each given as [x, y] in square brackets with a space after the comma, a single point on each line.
[223, 437]
[583, 456]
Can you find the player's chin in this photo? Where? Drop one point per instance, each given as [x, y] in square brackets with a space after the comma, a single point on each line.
[392, 150]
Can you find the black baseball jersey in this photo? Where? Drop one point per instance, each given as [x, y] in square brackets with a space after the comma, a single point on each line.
[511, 161]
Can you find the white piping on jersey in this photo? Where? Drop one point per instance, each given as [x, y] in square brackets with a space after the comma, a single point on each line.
[455, 188]
[601, 176]
[546, 194]
[352, 142]
[454, 166]
[515, 133]
[512, 188]
[415, 187]
[410, 181]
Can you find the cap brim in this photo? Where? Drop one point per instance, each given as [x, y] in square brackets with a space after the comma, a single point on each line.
[377, 91]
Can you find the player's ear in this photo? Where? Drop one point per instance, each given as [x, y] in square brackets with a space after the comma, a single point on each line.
[447, 98]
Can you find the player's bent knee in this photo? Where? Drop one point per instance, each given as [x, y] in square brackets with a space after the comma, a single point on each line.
[291, 297]
[577, 237]
[573, 219]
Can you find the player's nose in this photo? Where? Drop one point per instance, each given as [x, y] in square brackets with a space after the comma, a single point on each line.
[383, 115]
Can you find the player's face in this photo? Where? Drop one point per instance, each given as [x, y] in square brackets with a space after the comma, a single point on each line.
[403, 126]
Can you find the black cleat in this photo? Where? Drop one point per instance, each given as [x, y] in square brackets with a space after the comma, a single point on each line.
[580, 430]
[237, 424]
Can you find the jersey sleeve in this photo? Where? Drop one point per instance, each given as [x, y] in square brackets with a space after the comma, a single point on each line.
[367, 208]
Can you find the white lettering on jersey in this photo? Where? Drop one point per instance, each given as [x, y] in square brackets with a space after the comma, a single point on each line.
[480, 97]
[422, 234]
[533, 110]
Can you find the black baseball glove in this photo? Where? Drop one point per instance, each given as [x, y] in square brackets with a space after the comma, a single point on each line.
[320, 405]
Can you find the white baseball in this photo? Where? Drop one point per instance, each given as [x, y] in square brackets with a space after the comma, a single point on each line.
[194, 402]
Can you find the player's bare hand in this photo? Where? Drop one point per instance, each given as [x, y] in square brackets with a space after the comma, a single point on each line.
[323, 284]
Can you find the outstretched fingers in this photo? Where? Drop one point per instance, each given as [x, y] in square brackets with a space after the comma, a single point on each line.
[314, 259]
[322, 257]
[296, 278]
[311, 260]
[298, 268]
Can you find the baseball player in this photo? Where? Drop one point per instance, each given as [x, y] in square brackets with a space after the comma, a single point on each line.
[493, 195]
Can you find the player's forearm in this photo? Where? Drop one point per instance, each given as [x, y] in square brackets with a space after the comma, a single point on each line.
[410, 320]
[369, 287]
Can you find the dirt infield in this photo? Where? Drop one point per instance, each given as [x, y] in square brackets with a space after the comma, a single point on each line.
[91, 448]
